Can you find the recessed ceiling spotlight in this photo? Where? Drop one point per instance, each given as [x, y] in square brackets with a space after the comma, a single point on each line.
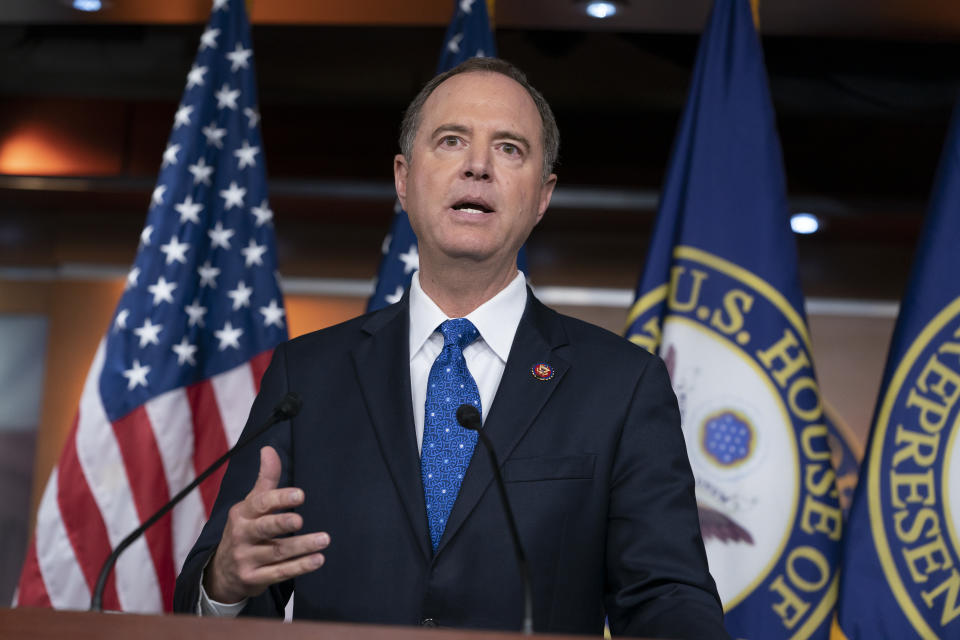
[87, 5]
[804, 223]
[602, 8]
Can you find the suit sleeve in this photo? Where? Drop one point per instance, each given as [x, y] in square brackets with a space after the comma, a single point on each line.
[237, 482]
[658, 583]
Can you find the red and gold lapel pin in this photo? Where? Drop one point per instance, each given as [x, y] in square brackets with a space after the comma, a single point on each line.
[541, 371]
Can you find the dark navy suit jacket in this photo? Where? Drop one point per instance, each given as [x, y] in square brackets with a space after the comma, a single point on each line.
[595, 467]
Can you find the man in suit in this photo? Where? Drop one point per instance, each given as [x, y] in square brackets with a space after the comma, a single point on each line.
[402, 524]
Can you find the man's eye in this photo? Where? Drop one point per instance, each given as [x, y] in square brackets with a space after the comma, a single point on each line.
[450, 141]
[510, 149]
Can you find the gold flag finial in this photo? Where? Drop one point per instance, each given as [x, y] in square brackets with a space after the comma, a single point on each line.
[755, 10]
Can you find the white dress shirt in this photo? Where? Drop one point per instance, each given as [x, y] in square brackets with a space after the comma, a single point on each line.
[496, 320]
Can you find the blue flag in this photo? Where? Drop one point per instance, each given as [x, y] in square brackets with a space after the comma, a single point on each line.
[468, 36]
[901, 566]
[720, 301]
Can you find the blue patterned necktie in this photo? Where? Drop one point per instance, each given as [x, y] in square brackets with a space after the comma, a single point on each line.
[447, 447]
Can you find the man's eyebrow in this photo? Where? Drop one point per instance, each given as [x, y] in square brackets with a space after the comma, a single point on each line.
[453, 128]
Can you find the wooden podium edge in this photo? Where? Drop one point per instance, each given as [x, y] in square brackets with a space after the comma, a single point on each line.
[46, 624]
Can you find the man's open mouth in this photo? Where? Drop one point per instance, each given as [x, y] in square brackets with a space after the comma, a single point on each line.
[472, 206]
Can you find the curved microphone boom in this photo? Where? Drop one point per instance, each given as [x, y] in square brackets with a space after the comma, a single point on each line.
[287, 408]
[469, 418]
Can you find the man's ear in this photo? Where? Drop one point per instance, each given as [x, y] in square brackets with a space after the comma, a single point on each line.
[546, 192]
[400, 169]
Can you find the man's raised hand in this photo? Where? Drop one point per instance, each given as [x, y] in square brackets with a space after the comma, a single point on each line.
[251, 555]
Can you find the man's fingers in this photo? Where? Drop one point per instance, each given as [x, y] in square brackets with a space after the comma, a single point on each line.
[255, 549]
[269, 476]
[282, 550]
[280, 571]
[265, 502]
[270, 526]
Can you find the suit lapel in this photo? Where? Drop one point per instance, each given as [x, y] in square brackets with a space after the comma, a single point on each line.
[383, 370]
[519, 399]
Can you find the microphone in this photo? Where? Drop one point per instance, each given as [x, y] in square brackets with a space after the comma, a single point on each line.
[469, 418]
[287, 408]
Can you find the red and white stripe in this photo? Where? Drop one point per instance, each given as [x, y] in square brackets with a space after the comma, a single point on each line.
[113, 475]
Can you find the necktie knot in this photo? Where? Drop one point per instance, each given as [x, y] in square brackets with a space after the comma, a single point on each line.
[459, 332]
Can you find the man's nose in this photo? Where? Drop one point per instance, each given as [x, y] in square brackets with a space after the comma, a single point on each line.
[477, 164]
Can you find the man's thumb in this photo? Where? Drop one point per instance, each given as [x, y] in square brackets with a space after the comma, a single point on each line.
[269, 476]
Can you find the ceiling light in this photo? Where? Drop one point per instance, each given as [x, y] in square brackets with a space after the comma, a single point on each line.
[600, 9]
[805, 223]
[87, 5]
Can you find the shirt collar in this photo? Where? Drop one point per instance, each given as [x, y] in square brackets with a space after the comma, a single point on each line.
[496, 319]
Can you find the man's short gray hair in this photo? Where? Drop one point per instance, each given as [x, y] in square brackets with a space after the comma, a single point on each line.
[551, 135]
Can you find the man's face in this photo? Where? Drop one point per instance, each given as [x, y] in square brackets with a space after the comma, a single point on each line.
[473, 186]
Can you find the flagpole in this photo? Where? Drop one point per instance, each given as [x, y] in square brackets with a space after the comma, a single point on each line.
[754, 9]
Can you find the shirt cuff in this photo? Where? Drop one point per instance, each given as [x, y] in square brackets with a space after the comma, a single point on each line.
[207, 606]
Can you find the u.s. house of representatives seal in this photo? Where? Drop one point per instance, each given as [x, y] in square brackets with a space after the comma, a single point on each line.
[914, 479]
[739, 358]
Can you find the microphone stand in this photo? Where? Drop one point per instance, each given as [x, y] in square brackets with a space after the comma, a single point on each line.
[469, 418]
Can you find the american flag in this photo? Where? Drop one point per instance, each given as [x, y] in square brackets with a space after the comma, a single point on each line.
[175, 375]
[468, 36]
